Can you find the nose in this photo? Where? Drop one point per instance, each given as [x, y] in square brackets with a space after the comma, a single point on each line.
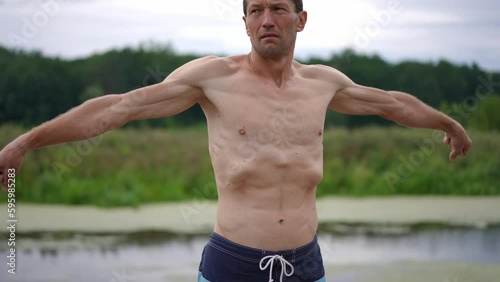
[268, 19]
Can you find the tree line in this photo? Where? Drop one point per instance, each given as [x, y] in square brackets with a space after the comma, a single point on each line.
[35, 88]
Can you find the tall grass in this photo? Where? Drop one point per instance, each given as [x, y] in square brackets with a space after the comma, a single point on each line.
[132, 167]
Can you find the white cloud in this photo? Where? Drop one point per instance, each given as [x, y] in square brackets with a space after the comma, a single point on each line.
[427, 18]
[423, 29]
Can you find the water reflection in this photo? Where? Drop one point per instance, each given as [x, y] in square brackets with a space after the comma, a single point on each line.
[459, 245]
[156, 256]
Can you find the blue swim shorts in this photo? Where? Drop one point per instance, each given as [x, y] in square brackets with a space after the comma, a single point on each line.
[225, 261]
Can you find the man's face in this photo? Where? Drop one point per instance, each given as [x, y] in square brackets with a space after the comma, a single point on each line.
[272, 26]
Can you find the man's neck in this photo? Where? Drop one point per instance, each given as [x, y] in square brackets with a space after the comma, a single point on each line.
[279, 69]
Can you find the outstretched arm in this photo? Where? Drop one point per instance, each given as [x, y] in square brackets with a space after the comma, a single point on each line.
[176, 93]
[401, 108]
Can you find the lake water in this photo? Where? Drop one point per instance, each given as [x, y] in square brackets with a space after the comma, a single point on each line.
[159, 257]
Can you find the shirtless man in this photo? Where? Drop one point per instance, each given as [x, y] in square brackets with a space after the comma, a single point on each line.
[265, 115]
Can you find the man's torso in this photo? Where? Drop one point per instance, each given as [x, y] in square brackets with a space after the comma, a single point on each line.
[265, 143]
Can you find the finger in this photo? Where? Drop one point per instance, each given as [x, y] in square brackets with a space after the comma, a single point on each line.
[467, 148]
[464, 150]
[446, 140]
[448, 143]
[453, 155]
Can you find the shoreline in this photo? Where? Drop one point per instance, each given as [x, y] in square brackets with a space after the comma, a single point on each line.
[198, 216]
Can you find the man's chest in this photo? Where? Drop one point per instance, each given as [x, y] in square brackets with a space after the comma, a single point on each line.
[261, 111]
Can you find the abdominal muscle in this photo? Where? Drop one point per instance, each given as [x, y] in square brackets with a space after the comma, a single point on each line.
[268, 201]
[267, 228]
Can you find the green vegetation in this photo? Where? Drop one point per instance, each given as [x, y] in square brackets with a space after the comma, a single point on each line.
[167, 159]
[135, 166]
[55, 85]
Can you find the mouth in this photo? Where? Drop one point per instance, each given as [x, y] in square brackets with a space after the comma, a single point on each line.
[269, 35]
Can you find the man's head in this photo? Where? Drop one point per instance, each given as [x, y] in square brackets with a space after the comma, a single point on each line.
[299, 6]
[272, 26]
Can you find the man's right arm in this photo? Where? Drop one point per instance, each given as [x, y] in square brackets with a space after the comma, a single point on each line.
[178, 92]
[402, 108]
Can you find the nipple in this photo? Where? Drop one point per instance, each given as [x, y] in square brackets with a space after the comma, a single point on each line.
[242, 132]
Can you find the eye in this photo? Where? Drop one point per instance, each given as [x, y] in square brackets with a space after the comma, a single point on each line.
[254, 11]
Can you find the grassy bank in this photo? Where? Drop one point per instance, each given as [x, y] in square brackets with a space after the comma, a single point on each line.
[131, 167]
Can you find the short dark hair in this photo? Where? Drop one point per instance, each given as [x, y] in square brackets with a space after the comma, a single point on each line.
[299, 6]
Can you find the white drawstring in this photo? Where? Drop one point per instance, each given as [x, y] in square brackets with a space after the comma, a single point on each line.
[270, 262]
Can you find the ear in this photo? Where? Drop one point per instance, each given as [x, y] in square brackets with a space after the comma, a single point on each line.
[246, 26]
[301, 24]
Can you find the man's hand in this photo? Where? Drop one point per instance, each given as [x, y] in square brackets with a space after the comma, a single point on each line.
[11, 157]
[458, 142]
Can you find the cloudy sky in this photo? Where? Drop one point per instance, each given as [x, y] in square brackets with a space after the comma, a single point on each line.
[462, 31]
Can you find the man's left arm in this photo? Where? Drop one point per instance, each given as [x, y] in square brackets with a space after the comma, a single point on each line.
[401, 108]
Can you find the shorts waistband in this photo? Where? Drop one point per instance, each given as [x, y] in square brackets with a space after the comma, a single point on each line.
[255, 255]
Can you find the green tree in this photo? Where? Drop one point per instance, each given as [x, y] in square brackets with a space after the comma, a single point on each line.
[35, 89]
[487, 116]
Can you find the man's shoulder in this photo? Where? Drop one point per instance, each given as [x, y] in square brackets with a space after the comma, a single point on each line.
[323, 74]
[316, 71]
[214, 65]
